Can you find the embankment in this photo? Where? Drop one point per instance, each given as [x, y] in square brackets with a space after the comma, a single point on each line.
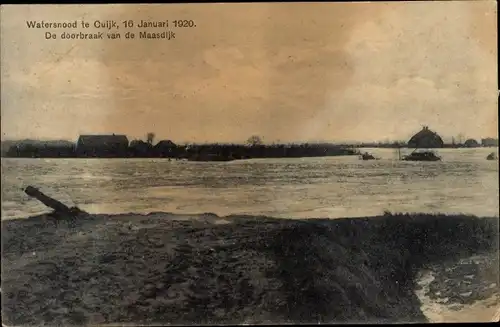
[165, 268]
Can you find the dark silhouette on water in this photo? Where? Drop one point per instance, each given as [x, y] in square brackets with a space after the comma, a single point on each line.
[422, 156]
[492, 156]
[367, 156]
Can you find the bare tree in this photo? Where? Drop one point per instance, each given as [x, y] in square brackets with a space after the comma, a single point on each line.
[254, 140]
[150, 137]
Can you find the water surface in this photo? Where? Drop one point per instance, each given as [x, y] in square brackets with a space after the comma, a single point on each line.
[464, 182]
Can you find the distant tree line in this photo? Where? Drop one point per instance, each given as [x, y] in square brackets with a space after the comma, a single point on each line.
[253, 148]
[200, 152]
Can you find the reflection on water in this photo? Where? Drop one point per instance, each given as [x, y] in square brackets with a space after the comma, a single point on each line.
[463, 182]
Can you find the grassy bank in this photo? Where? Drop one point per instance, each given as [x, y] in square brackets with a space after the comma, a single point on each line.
[167, 268]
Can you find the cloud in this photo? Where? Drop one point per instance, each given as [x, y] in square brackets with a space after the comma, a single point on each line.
[295, 72]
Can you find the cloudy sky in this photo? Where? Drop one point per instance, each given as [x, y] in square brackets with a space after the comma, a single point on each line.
[286, 72]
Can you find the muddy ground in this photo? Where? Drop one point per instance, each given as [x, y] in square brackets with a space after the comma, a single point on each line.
[203, 269]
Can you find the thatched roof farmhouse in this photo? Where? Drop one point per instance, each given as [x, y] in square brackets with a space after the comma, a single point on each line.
[426, 139]
[471, 143]
[165, 148]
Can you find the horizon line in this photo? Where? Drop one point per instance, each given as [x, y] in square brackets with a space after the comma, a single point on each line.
[243, 142]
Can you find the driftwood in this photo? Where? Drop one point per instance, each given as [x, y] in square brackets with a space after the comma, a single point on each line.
[60, 209]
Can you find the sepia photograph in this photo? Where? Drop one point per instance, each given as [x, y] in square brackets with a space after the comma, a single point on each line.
[249, 163]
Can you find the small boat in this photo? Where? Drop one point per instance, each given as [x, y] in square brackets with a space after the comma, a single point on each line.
[422, 156]
[367, 156]
[492, 156]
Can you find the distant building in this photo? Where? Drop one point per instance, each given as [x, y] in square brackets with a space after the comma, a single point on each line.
[471, 143]
[102, 146]
[489, 141]
[140, 148]
[426, 139]
[165, 148]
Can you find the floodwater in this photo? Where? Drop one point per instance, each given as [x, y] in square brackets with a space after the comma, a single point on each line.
[464, 182]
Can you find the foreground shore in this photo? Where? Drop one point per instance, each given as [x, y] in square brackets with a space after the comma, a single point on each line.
[203, 269]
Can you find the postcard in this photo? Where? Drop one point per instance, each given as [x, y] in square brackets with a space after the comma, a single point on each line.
[249, 163]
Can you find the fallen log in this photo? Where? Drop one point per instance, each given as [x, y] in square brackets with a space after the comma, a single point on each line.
[47, 200]
[60, 209]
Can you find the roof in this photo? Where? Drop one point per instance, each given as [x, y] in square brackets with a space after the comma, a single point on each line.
[471, 141]
[425, 136]
[165, 143]
[138, 142]
[98, 140]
